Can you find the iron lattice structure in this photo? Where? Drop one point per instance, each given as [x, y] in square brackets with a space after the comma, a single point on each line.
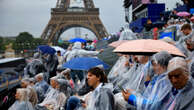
[64, 17]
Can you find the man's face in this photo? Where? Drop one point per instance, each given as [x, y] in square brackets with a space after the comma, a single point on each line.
[178, 79]
[186, 31]
[39, 79]
[23, 84]
[92, 79]
[156, 67]
[17, 95]
[53, 83]
[190, 45]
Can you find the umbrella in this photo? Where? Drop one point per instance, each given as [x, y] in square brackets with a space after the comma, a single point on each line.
[84, 63]
[57, 48]
[77, 40]
[46, 49]
[147, 47]
[117, 43]
[183, 14]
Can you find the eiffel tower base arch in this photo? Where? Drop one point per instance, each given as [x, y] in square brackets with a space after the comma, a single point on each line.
[65, 18]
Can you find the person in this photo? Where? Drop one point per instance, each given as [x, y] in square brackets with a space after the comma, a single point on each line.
[34, 67]
[157, 88]
[57, 102]
[60, 58]
[147, 28]
[69, 49]
[127, 33]
[134, 80]
[66, 74]
[41, 86]
[33, 98]
[51, 94]
[190, 59]
[186, 30]
[181, 44]
[101, 97]
[181, 95]
[118, 68]
[51, 64]
[22, 100]
[77, 51]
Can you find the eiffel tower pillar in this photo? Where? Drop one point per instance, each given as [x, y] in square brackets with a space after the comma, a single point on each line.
[63, 17]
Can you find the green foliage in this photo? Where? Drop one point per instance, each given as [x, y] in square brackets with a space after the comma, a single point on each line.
[1, 43]
[24, 37]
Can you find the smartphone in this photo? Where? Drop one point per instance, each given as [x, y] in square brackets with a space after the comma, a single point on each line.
[120, 87]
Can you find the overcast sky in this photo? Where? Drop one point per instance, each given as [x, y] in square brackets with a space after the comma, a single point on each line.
[33, 15]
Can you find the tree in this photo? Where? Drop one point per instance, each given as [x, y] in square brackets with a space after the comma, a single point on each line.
[24, 37]
[23, 41]
[1, 43]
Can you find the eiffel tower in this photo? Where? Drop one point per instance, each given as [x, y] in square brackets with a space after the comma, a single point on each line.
[64, 17]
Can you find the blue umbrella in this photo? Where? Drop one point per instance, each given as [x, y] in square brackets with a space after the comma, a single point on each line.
[84, 63]
[77, 40]
[46, 49]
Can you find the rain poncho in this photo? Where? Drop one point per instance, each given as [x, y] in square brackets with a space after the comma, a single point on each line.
[23, 102]
[153, 95]
[23, 105]
[33, 98]
[51, 65]
[51, 93]
[135, 80]
[77, 51]
[123, 78]
[56, 98]
[34, 67]
[41, 88]
[118, 68]
[179, 99]
[101, 98]
[127, 34]
[157, 89]
[65, 87]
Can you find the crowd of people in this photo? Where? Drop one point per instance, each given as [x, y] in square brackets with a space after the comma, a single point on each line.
[135, 82]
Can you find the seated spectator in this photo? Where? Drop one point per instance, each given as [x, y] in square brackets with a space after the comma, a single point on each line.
[41, 86]
[181, 97]
[22, 100]
[33, 98]
[101, 97]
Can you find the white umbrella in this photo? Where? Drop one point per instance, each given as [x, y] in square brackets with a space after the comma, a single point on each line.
[57, 48]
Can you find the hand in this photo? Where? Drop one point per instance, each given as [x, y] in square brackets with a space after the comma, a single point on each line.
[101, 50]
[148, 78]
[84, 105]
[126, 94]
[126, 63]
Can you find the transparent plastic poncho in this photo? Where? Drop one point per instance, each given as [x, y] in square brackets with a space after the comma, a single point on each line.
[77, 51]
[21, 105]
[41, 88]
[154, 94]
[102, 99]
[127, 34]
[56, 98]
[34, 67]
[119, 68]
